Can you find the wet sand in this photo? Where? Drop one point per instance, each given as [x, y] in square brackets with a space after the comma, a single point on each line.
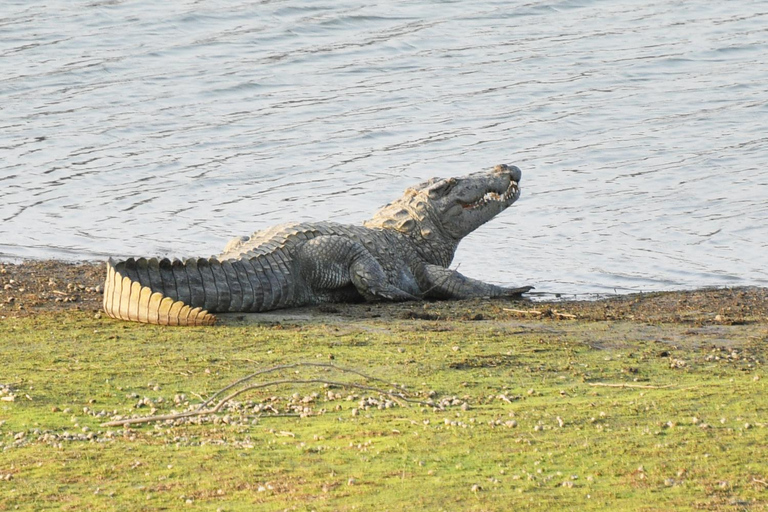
[33, 287]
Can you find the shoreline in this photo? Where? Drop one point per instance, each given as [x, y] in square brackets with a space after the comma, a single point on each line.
[34, 287]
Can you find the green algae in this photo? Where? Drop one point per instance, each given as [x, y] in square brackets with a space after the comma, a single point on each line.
[537, 415]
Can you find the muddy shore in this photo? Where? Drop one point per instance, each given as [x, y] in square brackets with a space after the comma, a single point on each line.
[47, 286]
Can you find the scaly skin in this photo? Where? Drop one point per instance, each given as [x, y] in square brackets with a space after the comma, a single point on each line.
[401, 254]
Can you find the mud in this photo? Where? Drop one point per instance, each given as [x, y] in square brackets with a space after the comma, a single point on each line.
[47, 286]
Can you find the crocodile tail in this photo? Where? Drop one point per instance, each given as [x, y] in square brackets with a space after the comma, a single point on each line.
[143, 291]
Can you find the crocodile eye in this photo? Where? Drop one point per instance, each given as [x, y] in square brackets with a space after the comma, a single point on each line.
[450, 183]
[441, 188]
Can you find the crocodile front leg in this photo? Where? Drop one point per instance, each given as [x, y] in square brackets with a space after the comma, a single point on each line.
[444, 283]
[331, 264]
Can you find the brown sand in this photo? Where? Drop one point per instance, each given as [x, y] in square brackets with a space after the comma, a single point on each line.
[39, 286]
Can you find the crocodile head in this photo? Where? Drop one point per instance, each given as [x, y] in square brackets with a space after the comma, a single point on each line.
[445, 210]
[462, 205]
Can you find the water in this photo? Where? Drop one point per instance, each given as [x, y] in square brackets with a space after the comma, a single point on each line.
[166, 128]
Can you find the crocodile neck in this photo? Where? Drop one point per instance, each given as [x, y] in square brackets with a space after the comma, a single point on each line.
[415, 220]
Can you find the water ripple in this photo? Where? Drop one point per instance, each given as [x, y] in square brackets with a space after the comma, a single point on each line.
[138, 128]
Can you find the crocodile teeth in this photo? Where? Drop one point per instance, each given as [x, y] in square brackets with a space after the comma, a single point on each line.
[494, 197]
[512, 190]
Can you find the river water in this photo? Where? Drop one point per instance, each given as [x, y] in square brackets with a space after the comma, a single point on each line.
[166, 128]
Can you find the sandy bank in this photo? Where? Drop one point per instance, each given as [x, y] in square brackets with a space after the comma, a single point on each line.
[37, 286]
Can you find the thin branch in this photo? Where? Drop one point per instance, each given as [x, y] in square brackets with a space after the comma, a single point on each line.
[539, 313]
[639, 386]
[149, 419]
[286, 367]
[522, 311]
[311, 381]
[217, 407]
[198, 395]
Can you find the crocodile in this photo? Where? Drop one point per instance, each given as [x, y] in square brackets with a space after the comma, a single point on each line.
[401, 254]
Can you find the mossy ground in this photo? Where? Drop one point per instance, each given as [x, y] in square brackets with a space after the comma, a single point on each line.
[540, 429]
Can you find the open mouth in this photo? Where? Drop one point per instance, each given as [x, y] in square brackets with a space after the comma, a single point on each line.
[494, 197]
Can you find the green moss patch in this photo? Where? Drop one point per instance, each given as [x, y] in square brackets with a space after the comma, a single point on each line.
[523, 413]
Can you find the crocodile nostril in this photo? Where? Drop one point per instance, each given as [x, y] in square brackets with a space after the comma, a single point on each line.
[514, 172]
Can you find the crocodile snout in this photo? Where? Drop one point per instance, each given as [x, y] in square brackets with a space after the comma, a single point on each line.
[514, 172]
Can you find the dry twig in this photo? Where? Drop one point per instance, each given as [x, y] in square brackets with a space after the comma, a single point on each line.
[536, 312]
[286, 367]
[202, 410]
[621, 385]
[523, 311]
